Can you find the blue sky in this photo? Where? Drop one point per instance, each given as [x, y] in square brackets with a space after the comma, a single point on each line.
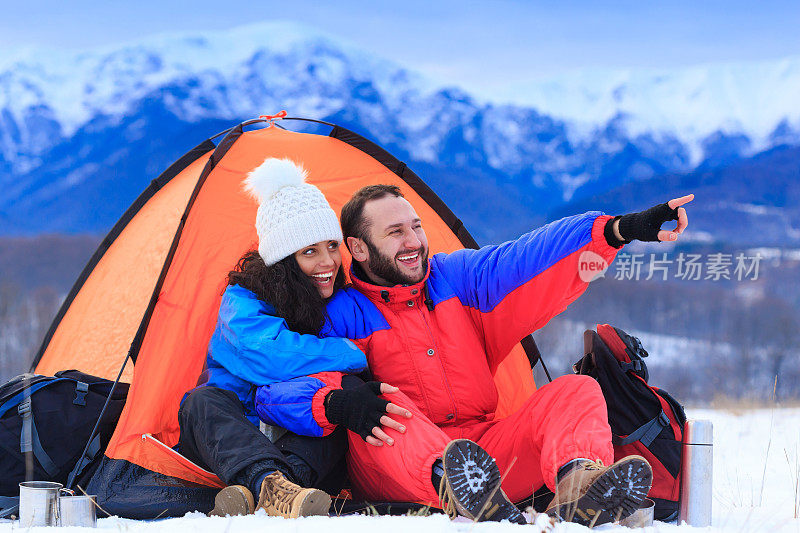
[464, 41]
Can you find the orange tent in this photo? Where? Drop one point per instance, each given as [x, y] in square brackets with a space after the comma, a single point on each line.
[150, 295]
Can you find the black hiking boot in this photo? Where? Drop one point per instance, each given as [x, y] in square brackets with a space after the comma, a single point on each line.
[470, 485]
[592, 494]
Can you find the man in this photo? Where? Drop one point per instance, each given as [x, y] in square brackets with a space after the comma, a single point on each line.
[437, 328]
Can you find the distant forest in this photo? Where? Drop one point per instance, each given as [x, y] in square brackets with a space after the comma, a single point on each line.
[717, 338]
[35, 276]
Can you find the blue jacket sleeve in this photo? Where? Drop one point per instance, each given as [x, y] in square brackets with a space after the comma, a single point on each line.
[515, 288]
[259, 348]
[298, 404]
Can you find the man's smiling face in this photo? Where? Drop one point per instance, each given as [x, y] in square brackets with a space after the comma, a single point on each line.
[396, 247]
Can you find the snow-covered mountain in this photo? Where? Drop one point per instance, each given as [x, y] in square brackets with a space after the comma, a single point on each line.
[229, 75]
[698, 104]
[72, 120]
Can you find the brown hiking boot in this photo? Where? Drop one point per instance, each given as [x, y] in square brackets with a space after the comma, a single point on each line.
[281, 497]
[592, 494]
[470, 485]
[234, 500]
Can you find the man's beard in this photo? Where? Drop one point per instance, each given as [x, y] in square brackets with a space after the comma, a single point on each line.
[385, 267]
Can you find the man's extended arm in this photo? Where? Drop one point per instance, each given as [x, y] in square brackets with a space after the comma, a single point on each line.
[515, 288]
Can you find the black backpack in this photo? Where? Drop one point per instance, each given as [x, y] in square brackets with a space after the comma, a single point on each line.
[45, 423]
[644, 420]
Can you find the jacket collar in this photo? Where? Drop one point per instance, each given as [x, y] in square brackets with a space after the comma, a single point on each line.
[394, 294]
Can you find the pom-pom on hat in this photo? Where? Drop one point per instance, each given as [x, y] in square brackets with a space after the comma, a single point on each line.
[292, 214]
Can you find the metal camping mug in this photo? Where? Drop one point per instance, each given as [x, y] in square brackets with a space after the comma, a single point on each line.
[77, 511]
[38, 503]
[642, 517]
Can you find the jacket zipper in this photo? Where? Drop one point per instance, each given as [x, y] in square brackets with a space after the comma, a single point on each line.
[418, 380]
[441, 364]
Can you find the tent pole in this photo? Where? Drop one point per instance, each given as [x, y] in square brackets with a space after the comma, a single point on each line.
[79, 466]
[546, 372]
[534, 355]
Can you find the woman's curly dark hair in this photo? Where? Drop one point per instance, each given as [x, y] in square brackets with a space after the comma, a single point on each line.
[285, 287]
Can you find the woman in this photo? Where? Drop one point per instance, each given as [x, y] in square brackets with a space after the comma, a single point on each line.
[266, 333]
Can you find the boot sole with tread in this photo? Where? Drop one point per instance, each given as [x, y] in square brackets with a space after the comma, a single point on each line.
[473, 476]
[614, 495]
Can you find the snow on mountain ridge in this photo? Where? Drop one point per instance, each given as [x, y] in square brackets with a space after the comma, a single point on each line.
[46, 96]
[77, 85]
[691, 103]
[688, 103]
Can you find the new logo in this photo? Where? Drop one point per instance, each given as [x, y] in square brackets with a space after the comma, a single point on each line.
[591, 266]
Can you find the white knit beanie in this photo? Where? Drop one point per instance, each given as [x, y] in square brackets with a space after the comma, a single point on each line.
[292, 214]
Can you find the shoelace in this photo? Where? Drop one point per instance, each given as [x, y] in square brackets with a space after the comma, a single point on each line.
[446, 500]
[593, 465]
[575, 481]
[281, 493]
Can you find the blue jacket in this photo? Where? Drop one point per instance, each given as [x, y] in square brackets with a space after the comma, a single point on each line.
[251, 347]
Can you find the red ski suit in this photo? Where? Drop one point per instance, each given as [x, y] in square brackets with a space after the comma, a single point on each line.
[440, 341]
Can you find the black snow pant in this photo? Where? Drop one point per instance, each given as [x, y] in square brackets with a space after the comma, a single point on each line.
[217, 436]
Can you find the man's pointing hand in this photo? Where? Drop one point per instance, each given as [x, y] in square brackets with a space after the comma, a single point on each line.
[646, 225]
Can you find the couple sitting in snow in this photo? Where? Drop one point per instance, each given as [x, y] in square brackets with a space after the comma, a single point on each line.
[293, 344]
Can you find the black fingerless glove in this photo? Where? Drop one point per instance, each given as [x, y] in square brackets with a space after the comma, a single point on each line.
[643, 226]
[357, 408]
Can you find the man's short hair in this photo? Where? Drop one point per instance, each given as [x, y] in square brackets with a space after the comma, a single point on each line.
[353, 223]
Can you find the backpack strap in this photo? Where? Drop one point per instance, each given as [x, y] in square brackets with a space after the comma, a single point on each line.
[646, 433]
[9, 505]
[15, 400]
[29, 438]
[89, 454]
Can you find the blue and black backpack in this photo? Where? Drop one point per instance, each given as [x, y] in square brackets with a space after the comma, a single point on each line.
[45, 424]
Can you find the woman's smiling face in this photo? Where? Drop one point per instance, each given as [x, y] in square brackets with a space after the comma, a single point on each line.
[321, 262]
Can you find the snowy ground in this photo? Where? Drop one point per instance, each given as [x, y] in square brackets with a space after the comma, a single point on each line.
[756, 459]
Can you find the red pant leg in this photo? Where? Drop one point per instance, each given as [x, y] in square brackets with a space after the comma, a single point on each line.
[402, 472]
[561, 421]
